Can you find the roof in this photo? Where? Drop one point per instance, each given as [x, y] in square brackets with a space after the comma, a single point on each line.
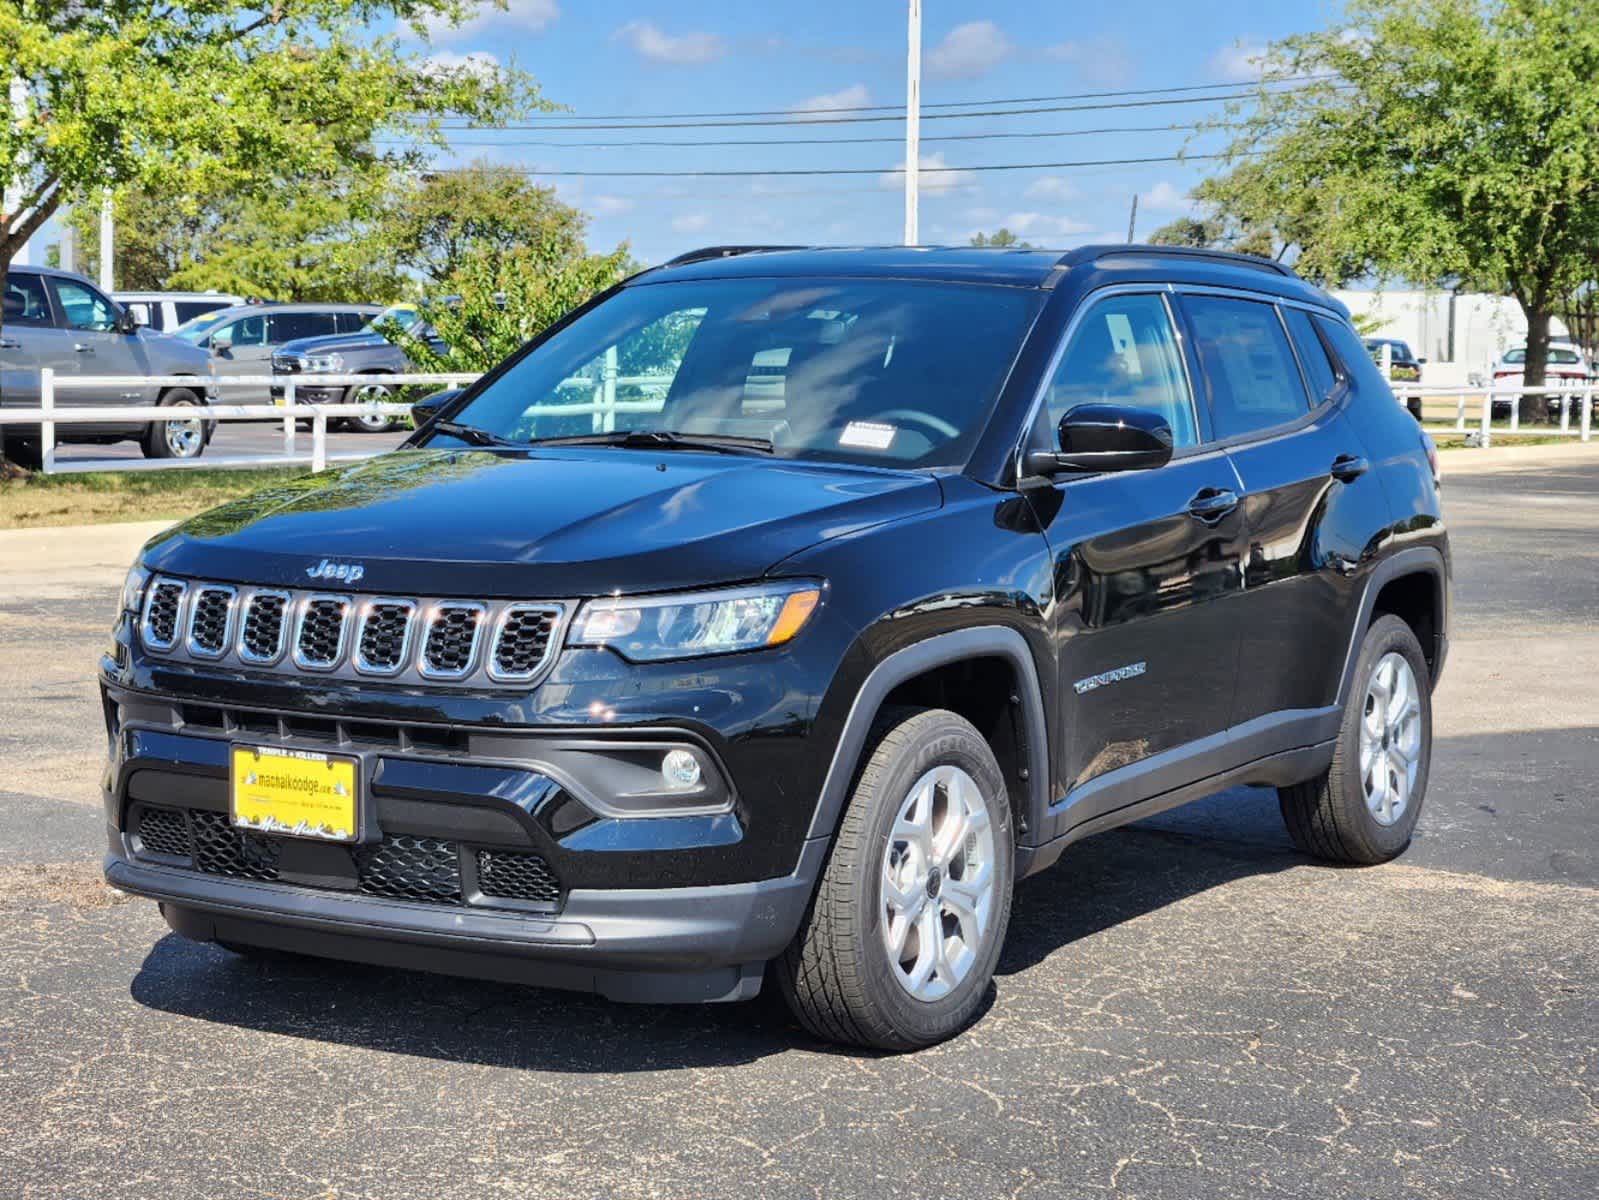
[1007, 266]
[245, 310]
[136, 294]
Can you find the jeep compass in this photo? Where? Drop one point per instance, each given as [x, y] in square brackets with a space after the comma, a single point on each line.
[773, 613]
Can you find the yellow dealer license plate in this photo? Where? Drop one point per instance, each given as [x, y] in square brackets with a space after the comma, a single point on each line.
[297, 793]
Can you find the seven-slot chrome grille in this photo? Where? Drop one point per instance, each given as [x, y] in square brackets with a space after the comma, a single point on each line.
[404, 638]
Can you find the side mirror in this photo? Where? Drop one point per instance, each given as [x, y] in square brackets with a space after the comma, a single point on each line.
[1106, 437]
[1421, 361]
[425, 409]
[129, 320]
[221, 342]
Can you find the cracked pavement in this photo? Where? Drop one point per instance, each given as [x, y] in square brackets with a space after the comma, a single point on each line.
[1185, 1007]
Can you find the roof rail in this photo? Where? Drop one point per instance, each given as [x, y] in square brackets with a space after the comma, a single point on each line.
[710, 252]
[1231, 258]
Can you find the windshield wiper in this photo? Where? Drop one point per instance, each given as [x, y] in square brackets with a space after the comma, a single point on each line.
[472, 435]
[664, 439]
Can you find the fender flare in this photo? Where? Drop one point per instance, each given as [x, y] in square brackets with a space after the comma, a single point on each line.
[984, 641]
[1414, 560]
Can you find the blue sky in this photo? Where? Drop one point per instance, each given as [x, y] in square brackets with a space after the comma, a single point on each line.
[642, 59]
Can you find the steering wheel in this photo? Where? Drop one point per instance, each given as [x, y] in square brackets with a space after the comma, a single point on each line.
[910, 416]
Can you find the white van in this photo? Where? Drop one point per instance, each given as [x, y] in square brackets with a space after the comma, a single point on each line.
[165, 311]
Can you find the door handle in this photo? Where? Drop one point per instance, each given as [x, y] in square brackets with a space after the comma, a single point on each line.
[83, 347]
[1212, 504]
[1347, 468]
[10, 344]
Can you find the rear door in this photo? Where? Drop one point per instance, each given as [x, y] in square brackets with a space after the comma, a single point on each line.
[24, 317]
[1311, 504]
[1147, 573]
[248, 352]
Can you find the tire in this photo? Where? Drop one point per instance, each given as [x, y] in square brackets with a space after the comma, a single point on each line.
[1349, 814]
[840, 976]
[360, 394]
[177, 438]
[25, 453]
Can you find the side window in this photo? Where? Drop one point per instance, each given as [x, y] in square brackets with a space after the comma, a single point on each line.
[1250, 369]
[1319, 369]
[25, 301]
[1124, 352]
[1347, 348]
[187, 310]
[246, 331]
[349, 322]
[83, 307]
[288, 326]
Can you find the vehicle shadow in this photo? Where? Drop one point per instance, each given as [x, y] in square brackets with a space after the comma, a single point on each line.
[1110, 879]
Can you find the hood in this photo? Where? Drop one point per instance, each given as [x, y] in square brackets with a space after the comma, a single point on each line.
[551, 524]
[164, 348]
[329, 343]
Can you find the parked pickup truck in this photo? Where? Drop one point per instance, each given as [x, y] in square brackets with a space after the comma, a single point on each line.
[365, 352]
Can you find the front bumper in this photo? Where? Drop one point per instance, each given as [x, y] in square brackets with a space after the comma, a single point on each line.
[306, 391]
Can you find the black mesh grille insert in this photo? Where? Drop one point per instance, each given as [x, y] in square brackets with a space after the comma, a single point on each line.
[263, 627]
[220, 849]
[321, 634]
[524, 641]
[161, 614]
[163, 831]
[383, 636]
[208, 624]
[513, 875]
[409, 867]
[452, 639]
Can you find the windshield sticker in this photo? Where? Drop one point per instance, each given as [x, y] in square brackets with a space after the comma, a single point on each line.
[867, 435]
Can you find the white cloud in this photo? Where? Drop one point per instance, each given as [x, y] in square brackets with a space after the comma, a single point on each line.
[1163, 197]
[651, 42]
[944, 178]
[476, 62]
[1101, 62]
[610, 206]
[691, 223]
[969, 50]
[532, 16]
[1051, 187]
[1241, 62]
[1037, 224]
[854, 96]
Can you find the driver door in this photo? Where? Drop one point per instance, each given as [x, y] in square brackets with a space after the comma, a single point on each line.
[1147, 570]
[91, 345]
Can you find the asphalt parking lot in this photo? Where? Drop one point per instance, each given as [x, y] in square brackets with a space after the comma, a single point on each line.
[1185, 1008]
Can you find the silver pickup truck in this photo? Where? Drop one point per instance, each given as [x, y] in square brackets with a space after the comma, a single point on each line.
[62, 321]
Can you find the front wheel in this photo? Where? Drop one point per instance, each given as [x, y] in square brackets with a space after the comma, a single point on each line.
[180, 436]
[369, 393]
[898, 948]
[1363, 809]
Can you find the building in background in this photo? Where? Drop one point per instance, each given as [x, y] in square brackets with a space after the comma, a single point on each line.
[1458, 333]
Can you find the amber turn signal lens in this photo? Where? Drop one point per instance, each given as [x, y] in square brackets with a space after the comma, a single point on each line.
[796, 611]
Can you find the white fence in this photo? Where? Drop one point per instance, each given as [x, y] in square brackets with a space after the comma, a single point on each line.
[49, 415]
[1576, 403]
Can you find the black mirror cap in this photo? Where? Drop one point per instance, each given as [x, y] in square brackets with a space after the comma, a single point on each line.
[1106, 437]
[425, 409]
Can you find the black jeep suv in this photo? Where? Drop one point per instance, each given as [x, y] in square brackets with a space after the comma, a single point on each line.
[777, 611]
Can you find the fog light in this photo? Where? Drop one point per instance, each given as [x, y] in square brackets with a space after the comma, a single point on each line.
[681, 770]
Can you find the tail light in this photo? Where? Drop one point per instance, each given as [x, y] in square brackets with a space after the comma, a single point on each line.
[1428, 445]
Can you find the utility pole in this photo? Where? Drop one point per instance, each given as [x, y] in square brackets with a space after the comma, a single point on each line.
[1132, 219]
[68, 242]
[106, 273]
[913, 119]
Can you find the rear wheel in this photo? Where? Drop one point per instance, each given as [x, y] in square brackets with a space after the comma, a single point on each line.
[898, 948]
[1363, 809]
[182, 436]
[24, 452]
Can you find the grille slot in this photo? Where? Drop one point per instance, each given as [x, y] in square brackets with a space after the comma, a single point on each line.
[410, 867]
[514, 875]
[220, 849]
[449, 651]
[261, 639]
[162, 610]
[385, 638]
[523, 641]
[211, 621]
[163, 831]
[319, 633]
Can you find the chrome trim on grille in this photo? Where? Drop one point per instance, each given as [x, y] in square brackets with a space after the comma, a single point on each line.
[302, 612]
[280, 642]
[201, 591]
[432, 618]
[146, 634]
[358, 654]
[500, 676]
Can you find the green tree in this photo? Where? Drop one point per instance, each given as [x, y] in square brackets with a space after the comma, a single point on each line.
[155, 234]
[215, 97]
[1193, 232]
[452, 216]
[1000, 237]
[1445, 142]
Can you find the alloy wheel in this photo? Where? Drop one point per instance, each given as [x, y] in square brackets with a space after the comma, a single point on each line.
[1390, 738]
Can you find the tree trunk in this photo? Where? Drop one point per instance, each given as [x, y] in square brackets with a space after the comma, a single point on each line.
[1533, 406]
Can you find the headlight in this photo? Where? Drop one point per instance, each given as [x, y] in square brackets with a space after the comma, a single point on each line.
[327, 364]
[651, 628]
[133, 588]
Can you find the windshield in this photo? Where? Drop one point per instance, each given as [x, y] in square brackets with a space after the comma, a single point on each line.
[197, 329]
[402, 315]
[888, 372]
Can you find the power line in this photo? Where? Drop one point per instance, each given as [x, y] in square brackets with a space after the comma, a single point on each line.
[1039, 166]
[939, 116]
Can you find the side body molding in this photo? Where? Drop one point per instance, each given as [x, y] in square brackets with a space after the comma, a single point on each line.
[985, 641]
